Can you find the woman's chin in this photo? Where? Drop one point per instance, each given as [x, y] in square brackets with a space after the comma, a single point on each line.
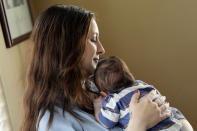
[91, 70]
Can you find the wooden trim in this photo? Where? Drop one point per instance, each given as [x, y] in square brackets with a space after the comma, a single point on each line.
[5, 27]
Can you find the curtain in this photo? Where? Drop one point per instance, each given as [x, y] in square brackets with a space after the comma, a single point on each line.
[4, 117]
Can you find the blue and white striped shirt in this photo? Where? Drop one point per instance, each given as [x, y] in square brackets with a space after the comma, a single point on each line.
[115, 108]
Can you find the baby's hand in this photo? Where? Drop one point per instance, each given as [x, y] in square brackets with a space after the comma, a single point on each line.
[97, 104]
[97, 107]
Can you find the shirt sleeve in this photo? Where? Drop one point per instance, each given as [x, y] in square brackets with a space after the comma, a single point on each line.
[176, 113]
[109, 114]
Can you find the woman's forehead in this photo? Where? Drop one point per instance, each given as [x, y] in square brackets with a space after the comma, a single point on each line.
[93, 29]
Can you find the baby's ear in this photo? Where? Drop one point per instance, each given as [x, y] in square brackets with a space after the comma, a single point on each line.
[103, 93]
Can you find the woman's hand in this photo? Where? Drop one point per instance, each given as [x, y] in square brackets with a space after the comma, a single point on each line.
[146, 113]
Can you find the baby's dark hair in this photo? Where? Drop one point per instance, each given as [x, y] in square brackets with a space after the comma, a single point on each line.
[112, 75]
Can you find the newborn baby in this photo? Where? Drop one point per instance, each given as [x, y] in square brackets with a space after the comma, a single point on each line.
[113, 77]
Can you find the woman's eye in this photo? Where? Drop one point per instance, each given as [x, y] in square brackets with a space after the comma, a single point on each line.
[92, 40]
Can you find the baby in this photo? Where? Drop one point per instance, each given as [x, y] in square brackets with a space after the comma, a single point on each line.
[113, 77]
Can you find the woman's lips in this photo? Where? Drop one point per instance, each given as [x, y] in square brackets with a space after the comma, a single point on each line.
[96, 60]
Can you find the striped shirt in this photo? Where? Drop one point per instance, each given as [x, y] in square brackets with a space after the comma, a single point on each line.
[115, 108]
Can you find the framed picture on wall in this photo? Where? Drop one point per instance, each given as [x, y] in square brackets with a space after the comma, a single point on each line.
[16, 21]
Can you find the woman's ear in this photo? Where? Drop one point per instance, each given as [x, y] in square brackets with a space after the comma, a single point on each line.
[103, 93]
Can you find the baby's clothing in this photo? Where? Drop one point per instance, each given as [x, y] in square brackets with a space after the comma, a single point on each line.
[115, 109]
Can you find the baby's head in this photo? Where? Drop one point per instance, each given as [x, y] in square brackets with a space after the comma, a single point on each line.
[112, 75]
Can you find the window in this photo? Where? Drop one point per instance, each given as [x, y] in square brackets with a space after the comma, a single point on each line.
[4, 117]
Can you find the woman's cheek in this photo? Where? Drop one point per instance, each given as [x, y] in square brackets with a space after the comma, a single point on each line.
[94, 48]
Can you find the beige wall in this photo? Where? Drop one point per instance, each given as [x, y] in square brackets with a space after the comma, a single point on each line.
[157, 39]
[12, 74]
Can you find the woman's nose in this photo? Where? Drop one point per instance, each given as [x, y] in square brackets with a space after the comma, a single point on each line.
[100, 49]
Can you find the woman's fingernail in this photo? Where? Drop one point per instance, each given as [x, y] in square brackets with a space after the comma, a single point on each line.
[137, 91]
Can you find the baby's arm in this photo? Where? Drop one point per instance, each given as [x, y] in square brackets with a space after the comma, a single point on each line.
[186, 126]
[97, 118]
[105, 115]
[97, 108]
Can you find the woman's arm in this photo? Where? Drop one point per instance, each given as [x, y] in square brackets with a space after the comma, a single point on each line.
[146, 113]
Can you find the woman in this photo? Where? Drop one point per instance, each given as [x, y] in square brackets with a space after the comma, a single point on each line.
[65, 52]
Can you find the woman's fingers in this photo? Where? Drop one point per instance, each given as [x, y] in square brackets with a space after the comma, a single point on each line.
[134, 100]
[160, 105]
[164, 107]
[165, 115]
[148, 108]
[160, 101]
[151, 95]
[135, 97]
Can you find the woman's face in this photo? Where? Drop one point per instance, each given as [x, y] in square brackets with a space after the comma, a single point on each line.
[93, 49]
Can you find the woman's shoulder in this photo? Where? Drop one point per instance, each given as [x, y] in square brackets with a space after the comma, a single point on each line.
[60, 122]
[69, 122]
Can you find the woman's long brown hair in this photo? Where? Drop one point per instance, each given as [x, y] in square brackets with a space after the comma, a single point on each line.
[54, 75]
